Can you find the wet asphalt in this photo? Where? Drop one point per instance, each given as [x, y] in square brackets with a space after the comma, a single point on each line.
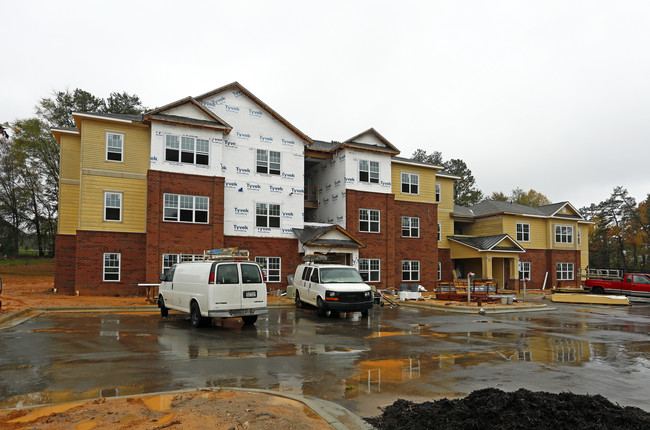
[359, 363]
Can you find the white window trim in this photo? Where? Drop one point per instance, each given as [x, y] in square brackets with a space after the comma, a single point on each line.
[369, 221]
[411, 218]
[369, 181]
[119, 267]
[268, 215]
[439, 271]
[178, 207]
[579, 236]
[409, 183]
[410, 270]
[523, 233]
[370, 270]
[195, 151]
[530, 273]
[121, 160]
[264, 265]
[568, 270]
[438, 192]
[439, 231]
[121, 194]
[562, 235]
[267, 162]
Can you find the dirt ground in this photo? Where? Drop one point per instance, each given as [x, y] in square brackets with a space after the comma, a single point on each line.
[191, 410]
[522, 409]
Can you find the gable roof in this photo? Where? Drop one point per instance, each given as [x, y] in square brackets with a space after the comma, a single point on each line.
[497, 243]
[263, 105]
[215, 122]
[388, 147]
[312, 235]
[402, 160]
[496, 207]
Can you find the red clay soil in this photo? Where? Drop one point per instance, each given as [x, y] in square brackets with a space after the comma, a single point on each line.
[491, 408]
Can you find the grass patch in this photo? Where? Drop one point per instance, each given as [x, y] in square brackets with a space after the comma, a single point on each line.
[27, 267]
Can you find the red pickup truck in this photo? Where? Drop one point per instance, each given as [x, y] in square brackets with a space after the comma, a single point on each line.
[632, 284]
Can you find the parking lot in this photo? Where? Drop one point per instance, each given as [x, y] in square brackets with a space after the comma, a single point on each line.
[360, 363]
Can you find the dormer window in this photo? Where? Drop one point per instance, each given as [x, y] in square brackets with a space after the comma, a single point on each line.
[369, 171]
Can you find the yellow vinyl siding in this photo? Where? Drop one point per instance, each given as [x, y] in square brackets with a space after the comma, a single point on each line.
[70, 157]
[538, 234]
[486, 227]
[68, 208]
[135, 151]
[446, 193]
[427, 183]
[555, 245]
[584, 245]
[134, 203]
[446, 227]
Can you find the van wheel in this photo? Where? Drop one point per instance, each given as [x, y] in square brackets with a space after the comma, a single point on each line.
[163, 309]
[195, 315]
[297, 300]
[321, 311]
[249, 319]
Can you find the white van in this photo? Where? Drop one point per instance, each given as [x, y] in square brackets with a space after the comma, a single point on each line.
[214, 289]
[332, 287]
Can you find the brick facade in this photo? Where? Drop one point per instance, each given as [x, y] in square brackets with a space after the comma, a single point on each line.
[388, 245]
[65, 264]
[543, 261]
[164, 237]
[90, 249]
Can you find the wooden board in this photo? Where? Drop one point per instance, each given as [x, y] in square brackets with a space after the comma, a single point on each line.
[589, 299]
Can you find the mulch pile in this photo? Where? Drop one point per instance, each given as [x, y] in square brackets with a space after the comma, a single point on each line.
[491, 408]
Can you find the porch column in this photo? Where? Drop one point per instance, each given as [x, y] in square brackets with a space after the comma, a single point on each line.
[514, 268]
[486, 266]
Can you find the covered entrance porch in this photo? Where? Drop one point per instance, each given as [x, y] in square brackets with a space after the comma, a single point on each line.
[331, 241]
[492, 259]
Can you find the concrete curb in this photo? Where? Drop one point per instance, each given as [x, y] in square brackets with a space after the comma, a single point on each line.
[329, 411]
[14, 318]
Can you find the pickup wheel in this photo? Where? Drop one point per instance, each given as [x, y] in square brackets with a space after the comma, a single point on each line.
[297, 300]
[320, 311]
[598, 290]
[163, 309]
[249, 319]
[195, 315]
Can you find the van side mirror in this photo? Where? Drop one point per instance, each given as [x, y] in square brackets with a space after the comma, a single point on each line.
[162, 276]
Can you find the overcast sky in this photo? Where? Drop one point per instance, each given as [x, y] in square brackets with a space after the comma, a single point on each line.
[549, 95]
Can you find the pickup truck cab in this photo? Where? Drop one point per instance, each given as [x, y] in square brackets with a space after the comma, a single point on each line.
[332, 287]
[214, 289]
[632, 284]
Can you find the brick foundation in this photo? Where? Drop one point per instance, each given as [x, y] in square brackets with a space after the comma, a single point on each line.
[65, 264]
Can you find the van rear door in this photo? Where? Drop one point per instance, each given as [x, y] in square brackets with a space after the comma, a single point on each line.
[253, 293]
[227, 290]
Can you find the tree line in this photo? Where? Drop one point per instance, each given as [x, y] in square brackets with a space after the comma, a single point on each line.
[29, 167]
[29, 186]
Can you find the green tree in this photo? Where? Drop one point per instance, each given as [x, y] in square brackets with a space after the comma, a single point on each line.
[124, 103]
[465, 191]
[499, 196]
[57, 111]
[12, 199]
[529, 198]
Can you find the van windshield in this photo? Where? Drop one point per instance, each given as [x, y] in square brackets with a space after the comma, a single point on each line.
[338, 275]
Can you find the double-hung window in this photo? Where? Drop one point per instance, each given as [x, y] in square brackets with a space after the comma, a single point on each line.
[523, 232]
[369, 220]
[183, 208]
[439, 232]
[112, 206]
[564, 271]
[369, 269]
[268, 162]
[114, 146]
[563, 234]
[439, 271]
[369, 171]
[410, 226]
[410, 183]
[111, 271]
[410, 270]
[187, 149]
[267, 215]
[438, 191]
[270, 267]
[524, 270]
